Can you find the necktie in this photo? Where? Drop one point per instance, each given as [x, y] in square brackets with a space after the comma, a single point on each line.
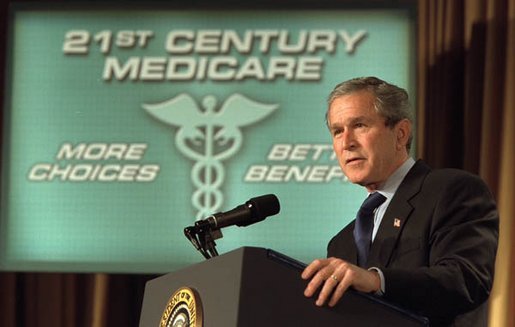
[365, 224]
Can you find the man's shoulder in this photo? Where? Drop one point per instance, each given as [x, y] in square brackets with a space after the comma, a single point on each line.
[453, 175]
[449, 178]
[445, 174]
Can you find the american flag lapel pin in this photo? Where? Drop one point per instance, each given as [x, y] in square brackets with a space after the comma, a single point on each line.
[397, 223]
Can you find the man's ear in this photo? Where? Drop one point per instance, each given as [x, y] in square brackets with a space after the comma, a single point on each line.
[402, 132]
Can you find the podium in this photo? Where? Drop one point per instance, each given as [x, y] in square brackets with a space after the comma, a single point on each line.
[258, 287]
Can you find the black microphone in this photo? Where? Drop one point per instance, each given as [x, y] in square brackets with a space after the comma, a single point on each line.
[253, 211]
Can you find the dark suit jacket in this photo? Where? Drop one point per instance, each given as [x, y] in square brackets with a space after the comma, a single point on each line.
[436, 246]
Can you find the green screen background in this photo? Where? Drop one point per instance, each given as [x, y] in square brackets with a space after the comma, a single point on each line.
[55, 98]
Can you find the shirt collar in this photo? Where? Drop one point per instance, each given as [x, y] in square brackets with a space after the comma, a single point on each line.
[392, 183]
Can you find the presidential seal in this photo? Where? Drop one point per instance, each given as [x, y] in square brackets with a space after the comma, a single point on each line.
[183, 309]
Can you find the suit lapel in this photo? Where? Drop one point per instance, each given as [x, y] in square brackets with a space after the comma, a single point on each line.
[396, 216]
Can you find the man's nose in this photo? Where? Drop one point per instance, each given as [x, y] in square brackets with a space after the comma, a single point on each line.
[348, 140]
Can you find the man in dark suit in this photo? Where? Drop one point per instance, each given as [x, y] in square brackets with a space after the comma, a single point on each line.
[433, 235]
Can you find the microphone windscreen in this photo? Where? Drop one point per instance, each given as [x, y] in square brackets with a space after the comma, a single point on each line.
[264, 206]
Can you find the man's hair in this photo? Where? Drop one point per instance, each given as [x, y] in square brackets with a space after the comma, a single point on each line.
[391, 101]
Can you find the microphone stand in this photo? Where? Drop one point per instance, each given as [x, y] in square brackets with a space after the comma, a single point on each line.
[203, 237]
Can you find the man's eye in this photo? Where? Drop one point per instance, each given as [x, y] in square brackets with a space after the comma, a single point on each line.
[337, 132]
[359, 125]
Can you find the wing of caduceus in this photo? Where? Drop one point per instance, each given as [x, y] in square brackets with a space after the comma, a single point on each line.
[236, 112]
[183, 112]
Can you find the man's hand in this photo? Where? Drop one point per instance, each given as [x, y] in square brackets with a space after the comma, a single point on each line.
[336, 276]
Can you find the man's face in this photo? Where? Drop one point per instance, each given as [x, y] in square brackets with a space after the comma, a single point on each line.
[368, 151]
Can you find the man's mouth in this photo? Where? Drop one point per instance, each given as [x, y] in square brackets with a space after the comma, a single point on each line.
[353, 160]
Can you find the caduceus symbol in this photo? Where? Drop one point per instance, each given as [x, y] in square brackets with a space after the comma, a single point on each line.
[208, 136]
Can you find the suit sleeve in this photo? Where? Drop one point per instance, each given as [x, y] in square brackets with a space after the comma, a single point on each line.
[463, 233]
